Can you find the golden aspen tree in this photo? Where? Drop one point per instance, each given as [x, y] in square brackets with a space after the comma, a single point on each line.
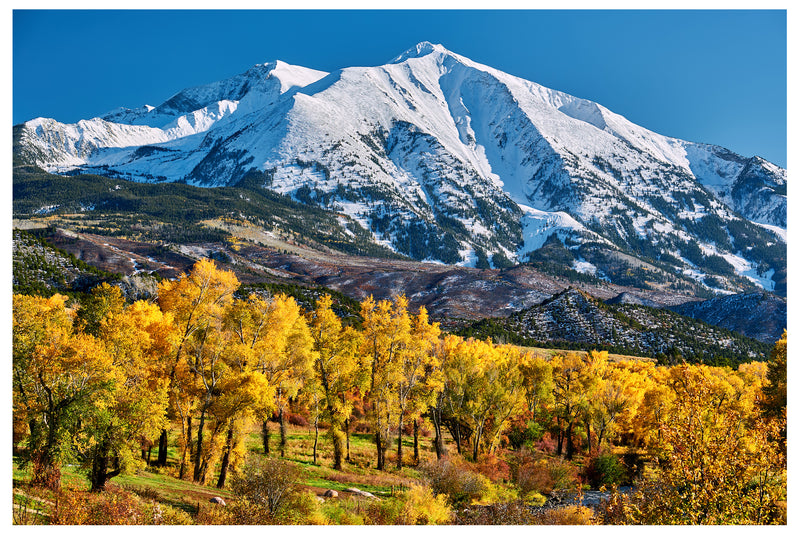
[285, 353]
[441, 352]
[647, 427]
[512, 400]
[249, 394]
[636, 381]
[135, 408]
[459, 358]
[207, 371]
[196, 301]
[387, 332]
[58, 374]
[337, 370]
[537, 375]
[495, 390]
[227, 388]
[419, 377]
[242, 393]
[570, 397]
[250, 322]
[719, 465]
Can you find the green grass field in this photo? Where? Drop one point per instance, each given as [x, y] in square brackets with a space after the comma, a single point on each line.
[163, 486]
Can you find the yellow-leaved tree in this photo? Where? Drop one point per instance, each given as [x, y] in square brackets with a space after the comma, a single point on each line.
[197, 302]
[337, 371]
[721, 461]
[58, 374]
[420, 378]
[387, 333]
[136, 337]
[284, 355]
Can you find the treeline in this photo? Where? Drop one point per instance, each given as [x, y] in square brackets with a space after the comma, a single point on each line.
[106, 382]
[175, 212]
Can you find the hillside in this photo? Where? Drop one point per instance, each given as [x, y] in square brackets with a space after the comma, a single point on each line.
[759, 315]
[573, 319]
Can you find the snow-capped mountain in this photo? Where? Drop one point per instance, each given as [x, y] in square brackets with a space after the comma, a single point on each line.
[445, 159]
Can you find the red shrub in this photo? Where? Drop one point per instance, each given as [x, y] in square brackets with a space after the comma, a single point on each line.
[296, 420]
[492, 467]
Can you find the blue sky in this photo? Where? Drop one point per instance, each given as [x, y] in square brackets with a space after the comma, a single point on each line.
[708, 76]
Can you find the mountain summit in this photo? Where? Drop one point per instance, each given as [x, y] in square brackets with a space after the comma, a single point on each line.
[445, 159]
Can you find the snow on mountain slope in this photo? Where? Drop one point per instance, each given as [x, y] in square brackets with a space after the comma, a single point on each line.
[446, 159]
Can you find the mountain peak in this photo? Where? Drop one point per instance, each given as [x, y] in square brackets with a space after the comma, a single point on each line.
[421, 49]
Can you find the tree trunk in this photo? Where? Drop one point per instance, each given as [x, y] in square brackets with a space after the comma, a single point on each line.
[379, 449]
[46, 471]
[338, 440]
[347, 436]
[265, 435]
[416, 442]
[162, 449]
[316, 437]
[226, 457]
[187, 448]
[198, 453]
[477, 443]
[438, 440]
[560, 440]
[570, 449]
[588, 438]
[400, 442]
[283, 431]
[100, 466]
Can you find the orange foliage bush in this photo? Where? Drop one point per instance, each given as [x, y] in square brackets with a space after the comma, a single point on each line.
[492, 467]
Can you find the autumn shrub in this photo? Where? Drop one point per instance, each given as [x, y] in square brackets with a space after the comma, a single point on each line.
[546, 444]
[297, 420]
[416, 506]
[503, 513]
[210, 514]
[302, 508]
[265, 484]
[532, 477]
[492, 467]
[451, 477]
[167, 515]
[112, 507]
[236, 513]
[422, 507]
[572, 515]
[604, 469]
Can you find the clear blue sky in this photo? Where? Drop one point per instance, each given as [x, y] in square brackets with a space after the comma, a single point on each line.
[708, 76]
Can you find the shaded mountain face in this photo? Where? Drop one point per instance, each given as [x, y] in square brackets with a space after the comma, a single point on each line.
[575, 320]
[444, 159]
[762, 316]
